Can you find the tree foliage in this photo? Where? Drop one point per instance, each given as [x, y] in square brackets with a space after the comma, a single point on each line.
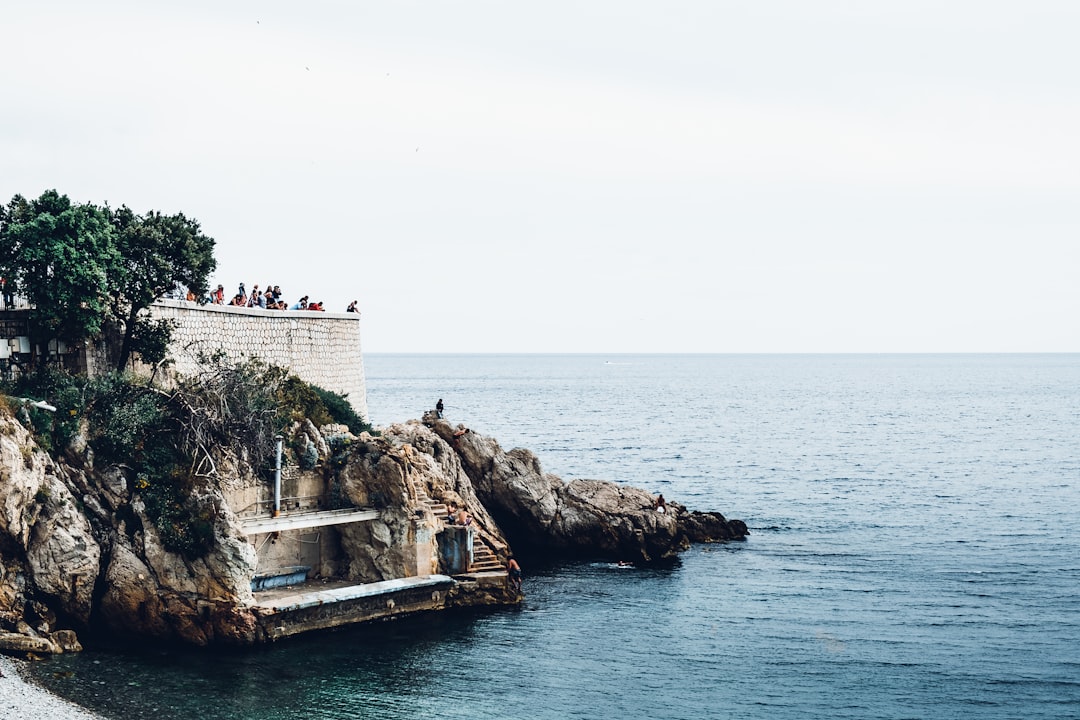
[157, 252]
[62, 258]
[82, 266]
[150, 340]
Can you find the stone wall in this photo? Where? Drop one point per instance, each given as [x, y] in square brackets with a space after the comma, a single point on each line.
[321, 348]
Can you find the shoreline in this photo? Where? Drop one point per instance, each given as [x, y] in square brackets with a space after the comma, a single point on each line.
[31, 701]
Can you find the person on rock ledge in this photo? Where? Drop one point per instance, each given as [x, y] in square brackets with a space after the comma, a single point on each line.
[513, 573]
[439, 409]
[661, 504]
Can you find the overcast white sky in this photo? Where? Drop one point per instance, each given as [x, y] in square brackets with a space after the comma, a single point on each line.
[699, 176]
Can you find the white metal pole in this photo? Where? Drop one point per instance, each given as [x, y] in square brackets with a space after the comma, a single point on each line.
[277, 478]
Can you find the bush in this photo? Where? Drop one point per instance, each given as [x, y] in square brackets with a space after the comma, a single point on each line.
[124, 417]
[340, 411]
[133, 425]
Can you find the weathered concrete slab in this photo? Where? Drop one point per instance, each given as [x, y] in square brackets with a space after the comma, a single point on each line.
[313, 598]
[284, 614]
[301, 521]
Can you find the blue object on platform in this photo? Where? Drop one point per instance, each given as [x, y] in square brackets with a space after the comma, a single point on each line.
[291, 575]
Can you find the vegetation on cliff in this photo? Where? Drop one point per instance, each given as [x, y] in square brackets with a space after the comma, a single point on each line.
[168, 439]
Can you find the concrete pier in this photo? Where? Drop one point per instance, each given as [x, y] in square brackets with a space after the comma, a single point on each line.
[290, 611]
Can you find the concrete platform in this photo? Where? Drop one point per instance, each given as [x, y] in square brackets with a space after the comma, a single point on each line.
[301, 521]
[298, 597]
[484, 575]
[294, 610]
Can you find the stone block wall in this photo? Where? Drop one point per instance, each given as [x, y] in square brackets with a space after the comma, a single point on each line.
[321, 348]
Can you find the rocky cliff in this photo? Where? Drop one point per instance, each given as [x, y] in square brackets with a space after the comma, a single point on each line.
[79, 549]
[546, 516]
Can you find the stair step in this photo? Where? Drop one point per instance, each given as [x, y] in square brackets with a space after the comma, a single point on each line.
[484, 558]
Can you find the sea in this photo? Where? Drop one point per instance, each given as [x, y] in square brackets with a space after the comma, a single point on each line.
[914, 553]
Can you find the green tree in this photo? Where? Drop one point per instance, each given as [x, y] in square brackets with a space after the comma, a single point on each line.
[157, 252]
[62, 258]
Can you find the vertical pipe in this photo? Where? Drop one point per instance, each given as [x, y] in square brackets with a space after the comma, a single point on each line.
[277, 478]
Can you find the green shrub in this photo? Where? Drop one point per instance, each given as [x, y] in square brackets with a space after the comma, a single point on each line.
[123, 428]
[299, 400]
[341, 411]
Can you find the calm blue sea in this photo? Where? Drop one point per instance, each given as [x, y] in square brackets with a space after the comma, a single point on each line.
[914, 553]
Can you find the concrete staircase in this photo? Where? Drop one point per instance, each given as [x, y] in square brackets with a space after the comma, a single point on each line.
[422, 500]
[484, 558]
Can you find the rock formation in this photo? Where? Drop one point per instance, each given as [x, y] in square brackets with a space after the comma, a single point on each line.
[79, 548]
[543, 515]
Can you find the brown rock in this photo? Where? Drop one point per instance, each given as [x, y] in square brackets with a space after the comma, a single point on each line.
[545, 515]
[66, 641]
[16, 643]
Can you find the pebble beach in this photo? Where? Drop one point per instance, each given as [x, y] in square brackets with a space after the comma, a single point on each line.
[23, 700]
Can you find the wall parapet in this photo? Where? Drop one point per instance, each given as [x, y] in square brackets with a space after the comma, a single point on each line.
[322, 348]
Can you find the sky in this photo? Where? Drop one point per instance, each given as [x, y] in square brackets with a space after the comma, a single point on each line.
[609, 177]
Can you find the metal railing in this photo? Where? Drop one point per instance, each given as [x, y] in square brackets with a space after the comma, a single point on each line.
[288, 504]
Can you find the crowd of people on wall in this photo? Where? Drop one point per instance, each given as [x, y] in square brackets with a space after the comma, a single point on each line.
[271, 298]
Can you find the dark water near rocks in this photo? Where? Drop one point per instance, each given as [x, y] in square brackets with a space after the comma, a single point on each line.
[914, 553]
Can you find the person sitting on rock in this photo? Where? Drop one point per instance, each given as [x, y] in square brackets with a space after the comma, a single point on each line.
[463, 518]
[661, 504]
